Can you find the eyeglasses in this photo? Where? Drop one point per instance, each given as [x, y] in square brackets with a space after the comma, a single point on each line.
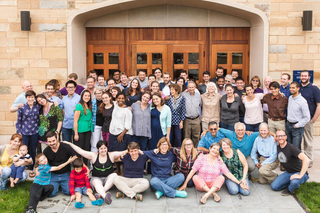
[255, 80]
[70, 87]
[215, 129]
[188, 144]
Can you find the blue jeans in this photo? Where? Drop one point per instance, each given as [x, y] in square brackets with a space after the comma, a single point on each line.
[234, 188]
[283, 181]
[66, 134]
[143, 141]
[60, 180]
[6, 171]
[176, 136]
[253, 127]
[241, 119]
[16, 172]
[167, 185]
[294, 135]
[31, 141]
[225, 126]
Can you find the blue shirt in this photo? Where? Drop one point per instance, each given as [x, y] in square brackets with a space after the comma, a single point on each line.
[161, 164]
[69, 104]
[28, 120]
[312, 95]
[54, 99]
[208, 139]
[178, 109]
[265, 147]
[244, 145]
[20, 99]
[45, 175]
[133, 169]
[285, 90]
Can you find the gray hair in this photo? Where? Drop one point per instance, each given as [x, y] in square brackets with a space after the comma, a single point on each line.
[236, 124]
[98, 88]
[211, 83]
[229, 77]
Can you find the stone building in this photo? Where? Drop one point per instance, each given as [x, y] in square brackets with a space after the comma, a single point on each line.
[256, 37]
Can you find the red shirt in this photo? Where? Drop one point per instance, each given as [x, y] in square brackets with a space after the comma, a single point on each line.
[78, 179]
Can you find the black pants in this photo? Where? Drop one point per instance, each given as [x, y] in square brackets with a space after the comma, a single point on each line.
[38, 193]
[84, 143]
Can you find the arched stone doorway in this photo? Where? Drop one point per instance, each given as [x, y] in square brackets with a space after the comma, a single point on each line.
[76, 32]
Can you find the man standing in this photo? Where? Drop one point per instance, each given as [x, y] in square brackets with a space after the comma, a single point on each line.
[239, 89]
[116, 76]
[151, 78]
[206, 80]
[91, 85]
[142, 79]
[192, 122]
[69, 103]
[21, 99]
[219, 73]
[212, 136]
[277, 105]
[101, 81]
[220, 85]
[298, 115]
[73, 77]
[285, 86]
[228, 80]
[184, 74]
[312, 95]
[266, 90]
[235, 75]
[124, 81]
[58, 153]
[165, 86]
[295, 163]
[49, 93]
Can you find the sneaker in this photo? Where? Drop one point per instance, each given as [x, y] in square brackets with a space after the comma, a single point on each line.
[181, 194]
[286, 192]
[31, 211]
[79, 205]
[97, 196]
[97, 202]
[138, 197]
[108, 199]
[158, 194]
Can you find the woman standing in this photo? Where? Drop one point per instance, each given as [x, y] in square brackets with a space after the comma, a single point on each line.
[50, 119]
[56, 88]
[141, 121]
[7, 152]
[134, 92]
[155, 88]
[97, 119]
[82, 124]
[254, 113]
[209, 178]
[120, 127]
[114, 92]
[230, 106]
[256, 83]
[102, 172]
[210, 106]
[237, 165]
[182, 83]
[106, 109]
[28, 125]
[177, 106]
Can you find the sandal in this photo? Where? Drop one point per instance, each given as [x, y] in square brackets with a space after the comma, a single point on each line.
[138, 197]
[120, 194]
[32, 174]
[203, 199]
[216, 197]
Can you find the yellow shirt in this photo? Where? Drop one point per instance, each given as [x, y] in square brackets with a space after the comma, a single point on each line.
[6, 160]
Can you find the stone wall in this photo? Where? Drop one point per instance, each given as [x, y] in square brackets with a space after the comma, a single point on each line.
[41, 54]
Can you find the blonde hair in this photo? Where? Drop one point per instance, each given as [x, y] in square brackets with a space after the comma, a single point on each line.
[38, 156]
[163, 140]
[194, 151]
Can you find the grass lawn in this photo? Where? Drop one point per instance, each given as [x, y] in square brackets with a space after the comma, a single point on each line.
[309, 195]
[15, 200]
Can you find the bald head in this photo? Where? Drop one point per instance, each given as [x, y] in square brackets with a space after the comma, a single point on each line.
[267, 81]
[26, 86]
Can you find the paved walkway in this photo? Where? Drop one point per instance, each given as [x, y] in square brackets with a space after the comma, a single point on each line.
[262, 199]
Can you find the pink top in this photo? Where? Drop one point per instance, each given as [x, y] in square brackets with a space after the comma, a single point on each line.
[254, 112]
[209, 172]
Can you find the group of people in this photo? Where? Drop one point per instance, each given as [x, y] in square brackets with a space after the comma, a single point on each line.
[127, 121]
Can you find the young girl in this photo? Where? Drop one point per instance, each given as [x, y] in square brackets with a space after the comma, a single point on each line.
[41, 187]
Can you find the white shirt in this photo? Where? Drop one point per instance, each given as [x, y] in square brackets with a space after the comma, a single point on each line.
[254, 112]
[121, 119]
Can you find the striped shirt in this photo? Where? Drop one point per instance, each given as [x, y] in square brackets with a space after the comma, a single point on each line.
[45, 175]
[78, 179]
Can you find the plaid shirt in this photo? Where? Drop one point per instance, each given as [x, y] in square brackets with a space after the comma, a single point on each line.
[180, 166]
[94, 113]
[286, 90]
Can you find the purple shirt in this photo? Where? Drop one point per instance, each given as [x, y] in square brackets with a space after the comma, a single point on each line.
[79, 89]
[258, 90]
[28, 120]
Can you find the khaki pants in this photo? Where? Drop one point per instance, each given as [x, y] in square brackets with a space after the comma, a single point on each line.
[192, 130]
[204, 125]
[252, 169]
[308, 140]
[275, 125]
[266, 175]
[131, 186]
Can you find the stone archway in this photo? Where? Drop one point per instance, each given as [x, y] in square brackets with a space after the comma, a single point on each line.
[76, 36]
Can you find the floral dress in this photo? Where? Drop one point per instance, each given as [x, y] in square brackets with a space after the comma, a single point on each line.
[49, 121]
[234, 164]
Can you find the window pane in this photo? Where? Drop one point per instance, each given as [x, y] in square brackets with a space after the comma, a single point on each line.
[239, 72]
[99, 71]
[178, 58]
[144, 70]
[98, 58]
[156, 58]
[193, 58]
[141, 58]
[193, 74]
[176, 73]
[221, 58]
[236, 58]
[113, 58]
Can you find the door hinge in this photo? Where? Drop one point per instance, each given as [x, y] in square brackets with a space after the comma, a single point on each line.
[204, 53]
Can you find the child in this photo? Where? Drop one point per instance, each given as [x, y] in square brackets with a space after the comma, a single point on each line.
[41, 186]
[79, 184]
[17, 171]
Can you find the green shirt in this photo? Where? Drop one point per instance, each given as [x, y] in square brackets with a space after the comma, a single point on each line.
[84, 122]
[234, 164]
